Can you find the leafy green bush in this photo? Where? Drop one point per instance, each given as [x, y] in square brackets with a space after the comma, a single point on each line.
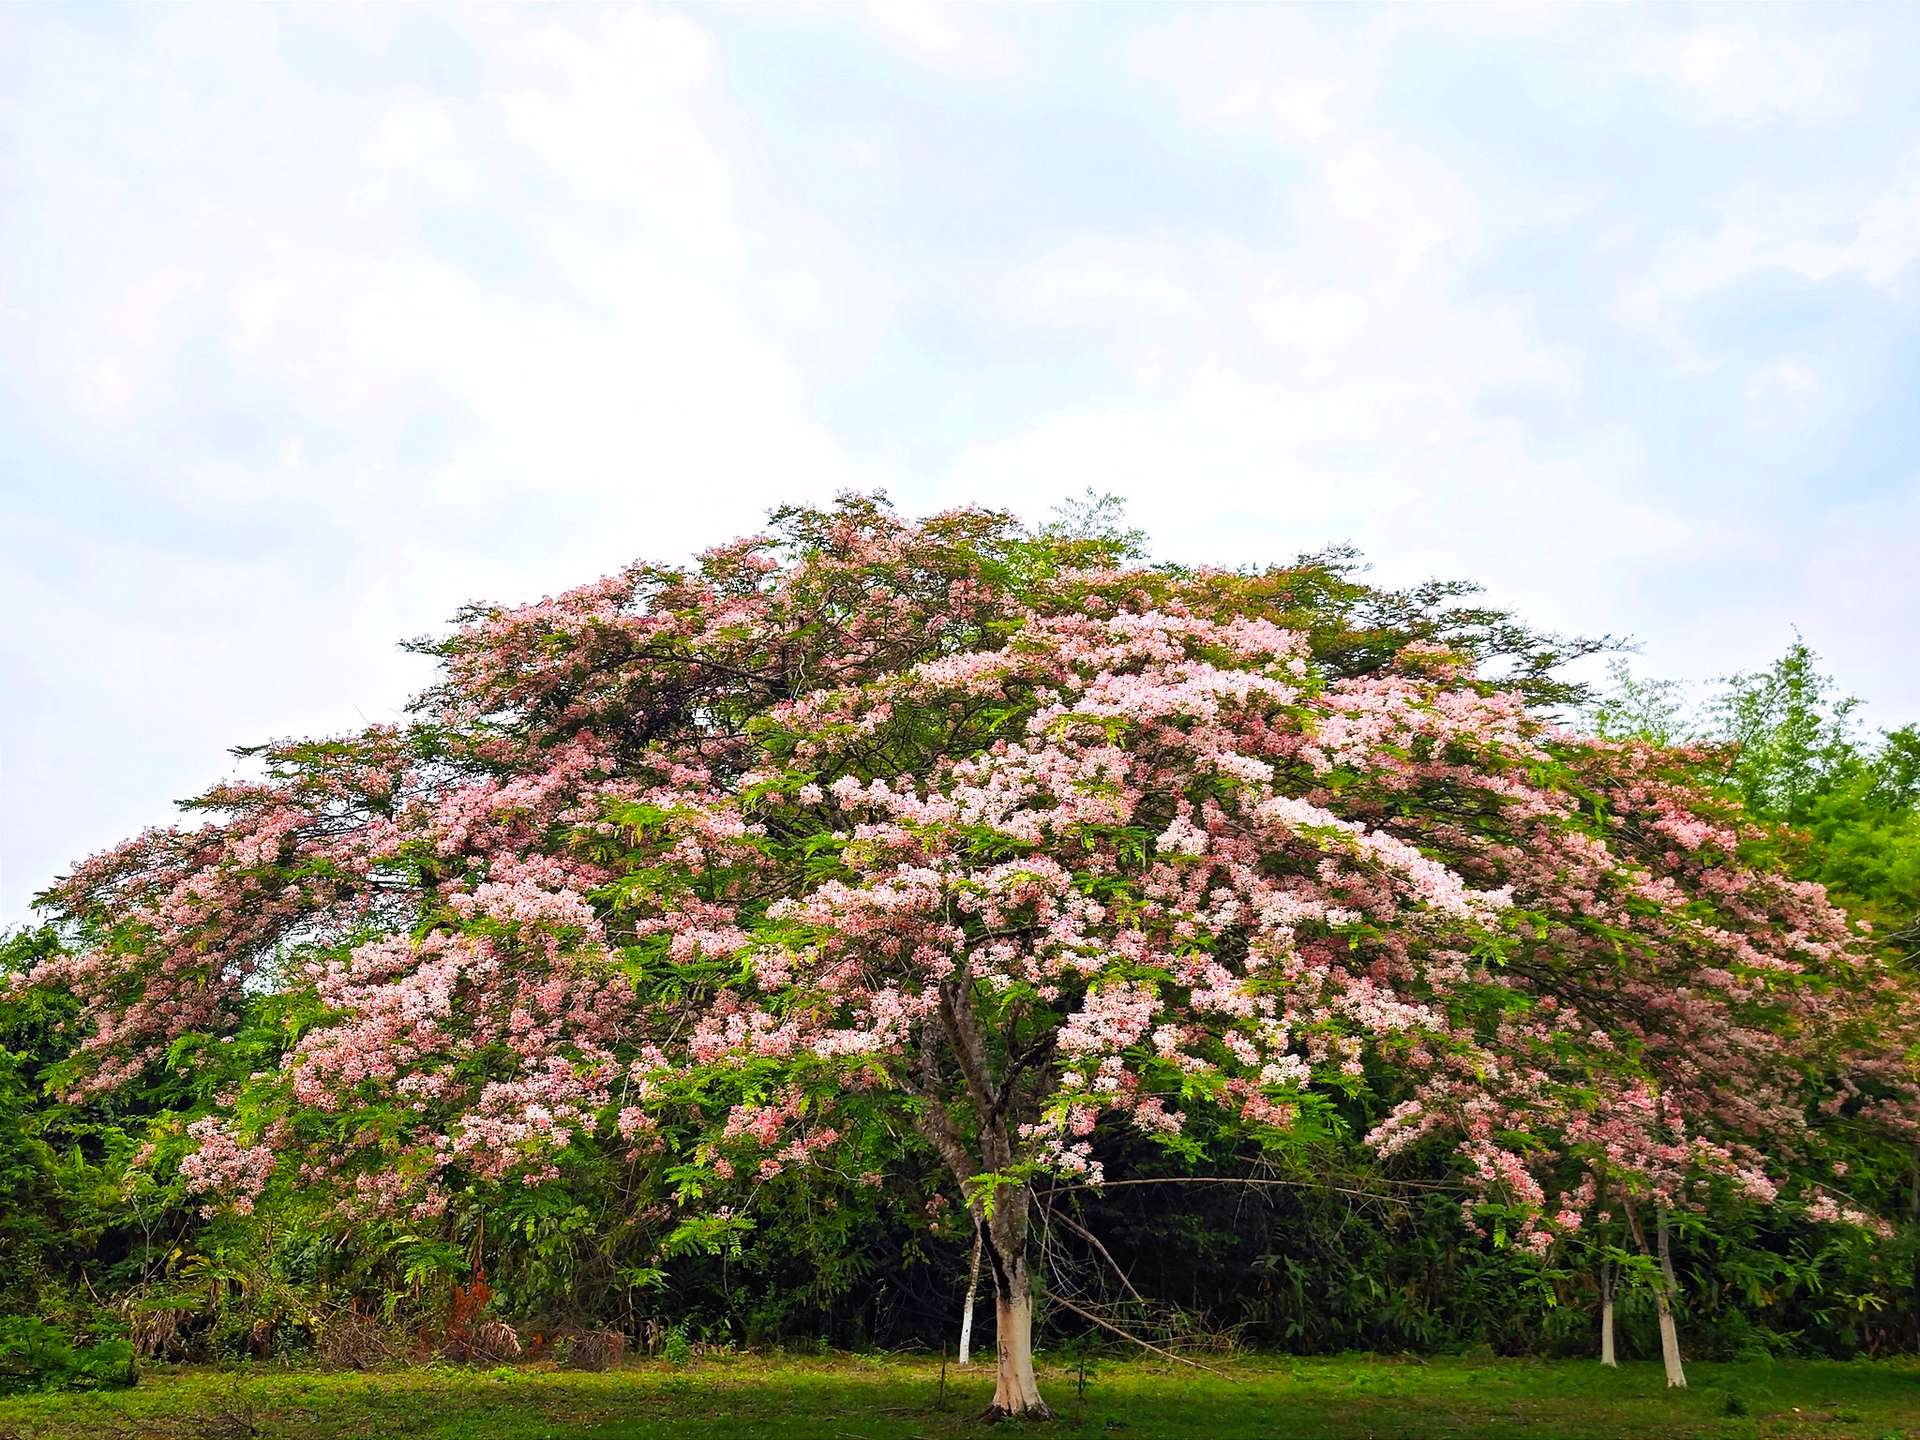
[37, 1356]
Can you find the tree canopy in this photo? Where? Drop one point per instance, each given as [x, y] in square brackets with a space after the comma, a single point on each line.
[866, 836]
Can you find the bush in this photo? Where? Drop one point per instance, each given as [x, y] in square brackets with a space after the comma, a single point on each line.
[595, 1350]
[352, 1340]
[37, 1356]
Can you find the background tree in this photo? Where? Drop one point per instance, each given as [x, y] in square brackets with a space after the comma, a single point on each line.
[1840, 809]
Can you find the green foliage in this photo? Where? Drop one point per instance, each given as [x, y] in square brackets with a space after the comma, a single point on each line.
[1635, 708]
[1863, 829]
[1791, 734]
[35, 1355]
[1786, 741]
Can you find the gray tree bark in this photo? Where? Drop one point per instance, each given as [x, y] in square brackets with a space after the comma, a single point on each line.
[1669, 1287]
[1606, 1313]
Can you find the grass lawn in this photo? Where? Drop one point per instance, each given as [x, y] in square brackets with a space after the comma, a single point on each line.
[1348, 1398]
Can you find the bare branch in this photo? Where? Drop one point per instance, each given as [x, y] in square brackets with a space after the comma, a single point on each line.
[1131, 1339]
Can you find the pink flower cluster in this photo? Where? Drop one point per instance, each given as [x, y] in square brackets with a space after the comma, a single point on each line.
[221, 1166]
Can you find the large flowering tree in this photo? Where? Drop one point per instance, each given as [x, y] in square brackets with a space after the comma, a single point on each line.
[873, 830]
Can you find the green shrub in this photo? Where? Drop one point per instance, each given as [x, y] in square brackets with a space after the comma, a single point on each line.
[37, 1356]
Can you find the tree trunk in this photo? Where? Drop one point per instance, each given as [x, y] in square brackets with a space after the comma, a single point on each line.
[1669, 1337]
[1001, 1211]
[1004, 1238]
[1665, 1288]
[1669, 1343]
[1015, 1391]
[973, 1296]
[1606, 1313]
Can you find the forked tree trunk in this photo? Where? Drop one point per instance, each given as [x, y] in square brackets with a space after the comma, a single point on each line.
[1668, 1288]
[1606, 1313]
[1001, 1210]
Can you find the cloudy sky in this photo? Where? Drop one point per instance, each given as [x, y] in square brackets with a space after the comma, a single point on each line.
[316, 323]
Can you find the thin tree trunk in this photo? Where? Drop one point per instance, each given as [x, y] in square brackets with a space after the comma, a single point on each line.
[1669, 1343]
[1663, 1292]
[973, 1296]
[1669, 1287]
[1609, 1283]
[1606, 1313]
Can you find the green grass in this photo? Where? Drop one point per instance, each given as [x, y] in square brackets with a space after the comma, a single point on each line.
[1346, 1398]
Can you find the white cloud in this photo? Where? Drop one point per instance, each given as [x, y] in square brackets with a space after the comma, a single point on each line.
[317, 324]
[1735, 69]
[955, 37]
[401, 419]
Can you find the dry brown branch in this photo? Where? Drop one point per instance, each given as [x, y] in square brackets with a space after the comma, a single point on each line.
[1132, 1339]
